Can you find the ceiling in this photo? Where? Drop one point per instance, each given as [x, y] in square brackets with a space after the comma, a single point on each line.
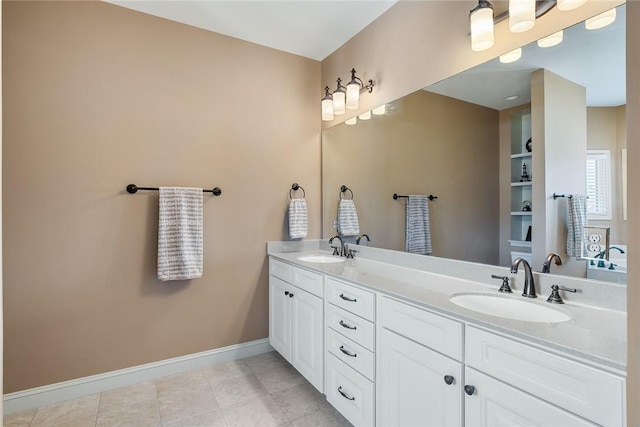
[593, 59]
[310, 28]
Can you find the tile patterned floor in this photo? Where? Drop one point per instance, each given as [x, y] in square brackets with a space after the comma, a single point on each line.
[262, 390]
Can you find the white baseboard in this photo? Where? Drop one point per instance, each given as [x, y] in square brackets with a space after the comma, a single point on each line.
[72, 389]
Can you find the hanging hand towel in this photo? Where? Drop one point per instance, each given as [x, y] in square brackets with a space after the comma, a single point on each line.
[577, 214]
[418, 232]
[298, 223]
[348, 218]
[180, 233]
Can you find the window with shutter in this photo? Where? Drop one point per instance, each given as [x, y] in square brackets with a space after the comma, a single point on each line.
[599, 184]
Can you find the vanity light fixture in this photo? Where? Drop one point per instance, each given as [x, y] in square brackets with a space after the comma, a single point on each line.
[512, 98]
[522, 15]
[352, 121]
[600, 21]
[380, 110]
[512, 56]
[365, 116]
[481, 18]
[552, 40]
[342, 99]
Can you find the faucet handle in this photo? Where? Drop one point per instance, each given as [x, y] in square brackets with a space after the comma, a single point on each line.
[351, 253]
[505, 283]
[336, 250]
[555, 298]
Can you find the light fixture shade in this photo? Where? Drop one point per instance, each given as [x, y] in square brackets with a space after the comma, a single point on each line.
[365, 116]
[552, 40]
[338, 102]
[353, 95]
[569, 4]
[522, 15]
[352, 121]
[512, 56]
[327, 105]
[380, 110]
[481, 18]
[600, 21]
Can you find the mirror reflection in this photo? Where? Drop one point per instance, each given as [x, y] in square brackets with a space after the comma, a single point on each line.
[494, 144]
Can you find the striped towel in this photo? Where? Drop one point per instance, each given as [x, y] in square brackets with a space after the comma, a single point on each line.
[577, 214]
[348, 218]
[180, 233]
[298, 227]
[418, 233]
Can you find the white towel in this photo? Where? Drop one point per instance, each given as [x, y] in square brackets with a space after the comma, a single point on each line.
[577, 213]
[418, 232]
[298, 222]
[180, 233]
[348, 218]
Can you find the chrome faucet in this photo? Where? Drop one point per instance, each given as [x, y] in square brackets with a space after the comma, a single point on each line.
[546, 267]
[361, 236]
[341, 251]
[529, 290]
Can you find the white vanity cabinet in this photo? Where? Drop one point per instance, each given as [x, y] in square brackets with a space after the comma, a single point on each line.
[350, 351]
[419, 375]
[296, 319]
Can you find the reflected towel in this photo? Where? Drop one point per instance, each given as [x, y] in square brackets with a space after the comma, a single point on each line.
[298, 223]
[180, 233]
[418, 233]
[348, 218]
[577, 213]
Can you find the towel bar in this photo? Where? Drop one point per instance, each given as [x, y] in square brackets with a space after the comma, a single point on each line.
[344, 189]
[133, 189]
[398, 196]
[296, 187]
[559, 196]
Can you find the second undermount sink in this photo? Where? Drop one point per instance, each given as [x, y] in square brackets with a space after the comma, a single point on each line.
[321, 259]
[509, 308]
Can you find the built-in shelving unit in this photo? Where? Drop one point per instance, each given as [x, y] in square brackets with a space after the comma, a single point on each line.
[521, 183]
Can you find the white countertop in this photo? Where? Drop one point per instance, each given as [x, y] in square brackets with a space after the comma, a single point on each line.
[592, 334]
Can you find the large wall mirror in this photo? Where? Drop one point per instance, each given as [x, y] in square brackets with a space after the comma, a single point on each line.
[464, 140]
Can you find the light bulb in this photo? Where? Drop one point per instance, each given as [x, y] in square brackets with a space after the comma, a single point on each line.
[570, 4]
[481, 18]
[552, 40]
[512, 56]
[522, 15]
[380, 110]
[600, 21]
[352, 121]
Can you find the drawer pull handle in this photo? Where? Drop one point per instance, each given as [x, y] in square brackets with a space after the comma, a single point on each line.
[347, 298]
[347, 352]
[448, 379]
[469, 389]
[345, 395]
[344, 325]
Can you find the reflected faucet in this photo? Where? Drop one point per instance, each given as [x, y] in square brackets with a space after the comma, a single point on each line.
[529, 290]
[546, 267]
[341, 252]
[361, 236]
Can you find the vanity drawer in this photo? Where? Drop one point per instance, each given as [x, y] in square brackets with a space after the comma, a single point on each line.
[354, 355]
[351, 326]
[351, 298]
[429, 329]
[350, 393]
[280, 269]
[593, 394]
[309, 281]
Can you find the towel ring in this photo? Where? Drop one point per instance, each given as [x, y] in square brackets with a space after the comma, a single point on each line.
[296, 187]
[344, 189]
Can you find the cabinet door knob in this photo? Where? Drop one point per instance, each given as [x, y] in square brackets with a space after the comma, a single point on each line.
[344, 325]
[469, 389]
[347, 352]
[448, 379]
[345, 395]
[286, 292]
[290, 294]
[347, 298]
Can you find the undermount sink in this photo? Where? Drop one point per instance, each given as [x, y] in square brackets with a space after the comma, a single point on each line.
[321, 259]
[509, 308]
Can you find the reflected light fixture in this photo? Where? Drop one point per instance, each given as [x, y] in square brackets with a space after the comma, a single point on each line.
[552, 40]
[512, 56]
[344, 98]
[481, 18]
[600, 21]
[380, 110]
[365, 116]
[512, 98]
[351, 121]
[522, 15]
[570, 4]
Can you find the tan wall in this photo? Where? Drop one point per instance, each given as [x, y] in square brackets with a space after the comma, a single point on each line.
[426, 144]
[1, 275]
[633, 257]
[97, 97]
[606, 130]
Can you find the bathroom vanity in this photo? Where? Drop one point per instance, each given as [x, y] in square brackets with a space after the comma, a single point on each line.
[387, 346]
